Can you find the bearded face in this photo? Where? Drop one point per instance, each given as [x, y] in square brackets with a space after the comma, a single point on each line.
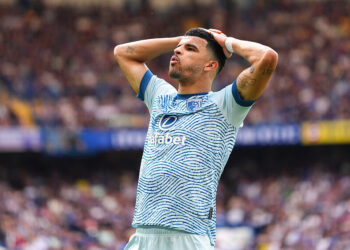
[188, 59]
[181, 73]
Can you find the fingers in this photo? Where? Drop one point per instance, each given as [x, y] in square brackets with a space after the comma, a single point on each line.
[205, 29]
[215, 31]
[217, 34]
[220, 38]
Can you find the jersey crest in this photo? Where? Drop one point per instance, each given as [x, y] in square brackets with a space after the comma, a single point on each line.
[194, 104]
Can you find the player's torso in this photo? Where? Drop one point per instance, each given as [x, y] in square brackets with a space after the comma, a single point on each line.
[191, 130]
[187, 145]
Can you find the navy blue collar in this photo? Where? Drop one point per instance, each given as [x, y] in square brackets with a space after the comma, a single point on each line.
[186, 96]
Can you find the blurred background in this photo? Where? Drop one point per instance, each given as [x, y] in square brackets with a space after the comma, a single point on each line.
[72, 130]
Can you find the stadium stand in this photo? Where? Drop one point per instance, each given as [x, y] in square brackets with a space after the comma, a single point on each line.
[57, 71]
[58, 62]
[48, 203]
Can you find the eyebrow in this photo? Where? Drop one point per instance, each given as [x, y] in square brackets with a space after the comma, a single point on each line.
[189, 45]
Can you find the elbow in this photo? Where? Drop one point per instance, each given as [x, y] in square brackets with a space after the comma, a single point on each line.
[270, 58]
[117, 52]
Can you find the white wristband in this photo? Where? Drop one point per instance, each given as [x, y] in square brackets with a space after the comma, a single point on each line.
[228, 44]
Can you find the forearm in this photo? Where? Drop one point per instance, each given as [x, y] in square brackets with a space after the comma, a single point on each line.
[145, 50]
[132, 56]
[252, 81]
[251, 51]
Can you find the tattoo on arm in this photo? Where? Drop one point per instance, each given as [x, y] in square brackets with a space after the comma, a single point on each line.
[130, 50]
[268, 70]
[252, 70]
[246, 81]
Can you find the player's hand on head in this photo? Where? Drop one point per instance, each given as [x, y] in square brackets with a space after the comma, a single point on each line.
[216, 31]
[220, 38]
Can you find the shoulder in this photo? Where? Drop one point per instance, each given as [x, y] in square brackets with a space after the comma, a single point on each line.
[230, 94]
[152, 85]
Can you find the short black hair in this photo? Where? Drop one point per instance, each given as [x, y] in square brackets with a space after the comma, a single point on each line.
[212, 44]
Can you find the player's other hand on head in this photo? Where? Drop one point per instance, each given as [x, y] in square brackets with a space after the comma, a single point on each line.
[220, 38]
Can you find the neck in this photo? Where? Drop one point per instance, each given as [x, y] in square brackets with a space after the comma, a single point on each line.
[198, 86]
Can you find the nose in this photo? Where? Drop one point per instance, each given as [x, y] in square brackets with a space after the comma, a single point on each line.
[178, 51]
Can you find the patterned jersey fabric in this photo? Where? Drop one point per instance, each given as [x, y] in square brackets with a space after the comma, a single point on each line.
[189, 140]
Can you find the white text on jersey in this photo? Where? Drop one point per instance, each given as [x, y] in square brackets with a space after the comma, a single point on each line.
[157, 139]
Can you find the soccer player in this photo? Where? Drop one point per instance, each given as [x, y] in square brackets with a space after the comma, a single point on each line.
[191, 133]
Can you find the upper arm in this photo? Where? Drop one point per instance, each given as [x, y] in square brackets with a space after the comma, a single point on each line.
[233, 107]
[133, 70]
[252, 81]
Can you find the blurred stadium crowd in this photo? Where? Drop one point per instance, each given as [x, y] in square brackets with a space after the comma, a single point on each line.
[51, 213]
[57, 69]
[57, 66]
[309, 209]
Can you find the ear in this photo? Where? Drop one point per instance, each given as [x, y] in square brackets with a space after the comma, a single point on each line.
[211, 65]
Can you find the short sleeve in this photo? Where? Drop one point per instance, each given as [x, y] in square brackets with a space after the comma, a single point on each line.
[151, 86]
[230, 102]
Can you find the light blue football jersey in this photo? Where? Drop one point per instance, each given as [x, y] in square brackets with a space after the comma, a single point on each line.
[189, 140]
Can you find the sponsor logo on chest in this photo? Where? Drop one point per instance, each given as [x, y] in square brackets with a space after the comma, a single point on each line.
[166, 123]
[158, 139]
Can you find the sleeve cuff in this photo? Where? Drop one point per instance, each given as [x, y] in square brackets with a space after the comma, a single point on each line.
[238, 97]
[143, 85]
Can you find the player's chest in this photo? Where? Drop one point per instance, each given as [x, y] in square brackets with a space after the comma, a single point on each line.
[194, 114]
